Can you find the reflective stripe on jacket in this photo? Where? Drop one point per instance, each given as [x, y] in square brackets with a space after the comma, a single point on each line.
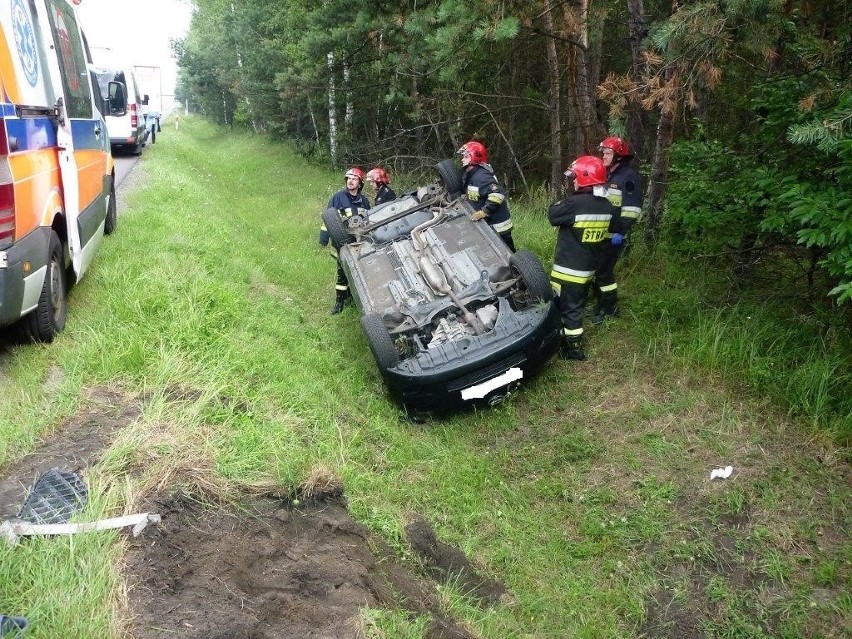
[583, 220]
[486, 195]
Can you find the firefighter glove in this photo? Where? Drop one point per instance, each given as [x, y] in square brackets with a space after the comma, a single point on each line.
[477, 215]
[617, 239]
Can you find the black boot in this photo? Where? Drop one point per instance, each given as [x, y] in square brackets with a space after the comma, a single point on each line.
[602, 314]
[342, 296]
[607, 306]
[572, 348]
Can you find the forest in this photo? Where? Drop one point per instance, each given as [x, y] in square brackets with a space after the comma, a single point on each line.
[738, 112]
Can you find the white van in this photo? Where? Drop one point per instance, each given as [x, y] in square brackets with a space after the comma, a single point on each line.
[57, 176]
[124, 117]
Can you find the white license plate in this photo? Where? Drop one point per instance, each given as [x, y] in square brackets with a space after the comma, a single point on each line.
[478, 391]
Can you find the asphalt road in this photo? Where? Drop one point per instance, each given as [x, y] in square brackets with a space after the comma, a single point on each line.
[123, 166]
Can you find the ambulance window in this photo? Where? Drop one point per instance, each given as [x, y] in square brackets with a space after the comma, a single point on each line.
[41, 80]
[102, 106]
[72, 60]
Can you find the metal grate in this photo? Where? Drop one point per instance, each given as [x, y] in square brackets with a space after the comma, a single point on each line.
[54, 498]
[13, 627]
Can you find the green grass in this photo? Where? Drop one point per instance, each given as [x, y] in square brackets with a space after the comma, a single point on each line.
[765, 347]
[587, 494]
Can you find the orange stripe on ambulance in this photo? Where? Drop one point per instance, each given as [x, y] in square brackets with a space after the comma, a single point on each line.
[57, 193]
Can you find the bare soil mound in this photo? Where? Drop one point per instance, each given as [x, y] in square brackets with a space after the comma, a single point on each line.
[271, 571]
[74, 446]
[269, 568]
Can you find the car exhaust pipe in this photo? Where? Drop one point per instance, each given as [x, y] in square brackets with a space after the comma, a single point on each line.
[416, 234]
[434, 274]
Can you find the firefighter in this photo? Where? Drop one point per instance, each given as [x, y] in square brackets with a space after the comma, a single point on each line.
[484, 192]
[624, 185]
[583, 219]
[379, 181]
[348, 202]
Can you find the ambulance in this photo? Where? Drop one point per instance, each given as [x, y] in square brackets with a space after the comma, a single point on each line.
[57, 177]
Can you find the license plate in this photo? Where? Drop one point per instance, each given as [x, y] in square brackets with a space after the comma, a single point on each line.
[478, 391]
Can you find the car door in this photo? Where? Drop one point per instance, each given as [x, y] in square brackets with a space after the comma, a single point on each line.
[77, 127]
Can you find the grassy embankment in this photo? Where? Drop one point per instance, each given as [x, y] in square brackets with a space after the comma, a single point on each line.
[587, 495]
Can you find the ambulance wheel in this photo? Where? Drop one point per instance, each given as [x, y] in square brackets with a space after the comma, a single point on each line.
[48, 318]
[112, 213]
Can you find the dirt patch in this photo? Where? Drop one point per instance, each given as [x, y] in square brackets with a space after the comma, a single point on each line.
[271, 571]
[272, 568]
[449, 564]
[668, 618]
[684, 604]
[75, 445]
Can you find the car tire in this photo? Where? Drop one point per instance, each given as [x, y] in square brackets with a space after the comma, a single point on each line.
[336, 228]
[112, 212]
[450, 177]
[532, 275]
[380, 341]
[48, 318]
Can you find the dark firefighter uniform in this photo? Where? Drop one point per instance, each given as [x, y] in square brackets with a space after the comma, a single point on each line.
[624, 186]
[486, 195]
[384, 194]
[347, 205]
[583, 220]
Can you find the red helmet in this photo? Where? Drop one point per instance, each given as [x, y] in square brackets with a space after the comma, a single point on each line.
[617, 145]
[379, 176]
[478, 154]
[588, 170]
[354, 172]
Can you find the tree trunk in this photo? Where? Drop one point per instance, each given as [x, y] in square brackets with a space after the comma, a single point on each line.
[662, 149]
[415, 100]
[347, 86]
[555, 104]
[577, 30]
[314, 122]
[637, 116]
[660, 165]
[332, 118]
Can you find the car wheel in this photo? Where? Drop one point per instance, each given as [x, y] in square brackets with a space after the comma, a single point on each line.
[336, 227]
[48, 318]
[450, 177]
[380, 341]
[112, 213]
[534, 280]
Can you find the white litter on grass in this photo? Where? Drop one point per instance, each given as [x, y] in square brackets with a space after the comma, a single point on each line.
[12, 529]
[721, 473]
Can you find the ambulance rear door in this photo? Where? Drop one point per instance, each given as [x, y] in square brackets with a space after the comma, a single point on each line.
[70, 79]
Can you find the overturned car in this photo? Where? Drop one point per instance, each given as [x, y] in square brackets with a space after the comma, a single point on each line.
[452, 316]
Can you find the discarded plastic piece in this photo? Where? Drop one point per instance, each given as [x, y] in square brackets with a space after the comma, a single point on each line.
[721, 473]
[12, 627]
[54, 498]
[12, 529]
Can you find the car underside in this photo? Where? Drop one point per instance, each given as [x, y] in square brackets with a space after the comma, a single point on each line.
[452, 316]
